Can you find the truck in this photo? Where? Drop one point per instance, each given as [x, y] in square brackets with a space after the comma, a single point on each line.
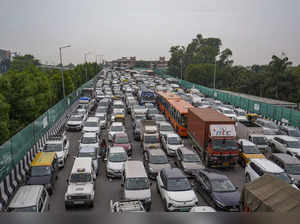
[269, 194]
[213, 136]
[244, 129]
[149, 135]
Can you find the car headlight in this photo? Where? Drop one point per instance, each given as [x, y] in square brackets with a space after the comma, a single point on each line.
[148, 199]
[172, 150]
[69, 197]
[151, 169]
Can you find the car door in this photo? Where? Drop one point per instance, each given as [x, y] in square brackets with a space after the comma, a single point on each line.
[66, 147]
[160, 184]
[199, 182]
[164, 142]
[146, 160]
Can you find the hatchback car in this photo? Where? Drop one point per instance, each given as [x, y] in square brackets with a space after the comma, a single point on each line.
[171, 142]
[122, 140]
[217, 190]
[116, 158]
[115, 127]
[89, 139]
[164, 128]
[154, 161]
[175, 190]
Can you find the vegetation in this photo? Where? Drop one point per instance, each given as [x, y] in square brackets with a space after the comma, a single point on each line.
[27, 91]
[278, 79]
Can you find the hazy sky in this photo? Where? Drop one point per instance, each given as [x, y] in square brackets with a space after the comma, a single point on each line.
[252, 29]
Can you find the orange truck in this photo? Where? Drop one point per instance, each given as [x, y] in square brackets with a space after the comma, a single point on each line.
[214, 137]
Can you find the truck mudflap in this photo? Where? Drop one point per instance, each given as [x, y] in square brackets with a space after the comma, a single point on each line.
[222, 160]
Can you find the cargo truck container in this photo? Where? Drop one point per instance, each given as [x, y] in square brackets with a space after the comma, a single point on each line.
[214, 137]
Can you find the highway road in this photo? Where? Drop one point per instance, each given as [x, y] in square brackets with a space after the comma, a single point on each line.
[110, 189]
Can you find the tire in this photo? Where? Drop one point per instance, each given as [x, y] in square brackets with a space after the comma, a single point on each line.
[206, 161]
[67, 207]
[91, 205]
[243, 163]
[157, 189]
[247, 178]
[165, 205]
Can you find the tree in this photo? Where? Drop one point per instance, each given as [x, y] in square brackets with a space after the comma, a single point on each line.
[21, 63]
[177, 54]
[4, 119]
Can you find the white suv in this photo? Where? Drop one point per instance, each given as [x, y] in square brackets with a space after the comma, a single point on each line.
[255, 168]
[171, 142]
[286, 144]
[175, 190]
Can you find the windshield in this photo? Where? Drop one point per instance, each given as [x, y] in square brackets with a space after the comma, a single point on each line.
[53, 148]
[75, 119]
[122, 140]
[224, 144]
[250, 149]
[282, 176]
[152, 111]
[25, 209]
[80, 178]
[38, 171]
[139, 183]
[295, 144]
[101, 118]
[191, 158]
[222, 185]
[87, 154]
[151, 139]
[178, 184]
[160, 118]
[293, 169]
[117, 157]
[90, 124]
[101, 110]
[158, 159]
[118, 106]
[174, 141]
[271, 125]
[117, 128]
[139, 107]
[89, 140]
[166, 128]
[140, 117]
[294, 133]
[271, 132]
[259, 140]
[228, 112]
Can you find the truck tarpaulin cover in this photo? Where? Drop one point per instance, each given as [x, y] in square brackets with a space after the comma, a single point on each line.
[222, 130]
[270, 194]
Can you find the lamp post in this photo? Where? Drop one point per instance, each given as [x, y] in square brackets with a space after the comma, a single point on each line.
[181, 67]
[215, 71]
[98, 55]
[62, 70]
[86, 78]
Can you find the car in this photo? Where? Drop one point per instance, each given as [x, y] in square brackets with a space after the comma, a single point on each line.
[165, 128]
[217, 190]
[248, 150]
[139, 117]
[155, 160]
[258, 167]
[159, 118]
[268, 124]
[122, 140]
[115, 127]
[175, 190]
[290, 131]
[92, 124]
[240, 114]
[188, 160]
[118, 115]
[151, 112]
[92, 152]
[89, 139]
[115, 160]
[137, 109]
[227, 112]
[75, 123]
[290, 164]
[171, 142]
[260, 141]
[286, 144]
[102, 119]
[137, 130]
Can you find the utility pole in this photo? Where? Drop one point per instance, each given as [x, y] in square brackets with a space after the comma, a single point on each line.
[181, 67]
[86, 75]
[215, 71]
[62, 70]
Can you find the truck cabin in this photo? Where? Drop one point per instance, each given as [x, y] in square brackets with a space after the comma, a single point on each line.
[222, 143]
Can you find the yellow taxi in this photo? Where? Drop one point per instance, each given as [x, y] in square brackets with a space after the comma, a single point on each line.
[248, 150]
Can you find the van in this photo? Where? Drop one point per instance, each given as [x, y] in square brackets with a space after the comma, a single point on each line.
[43, 170]
[81, 185]
[135, 183]
[30, 198]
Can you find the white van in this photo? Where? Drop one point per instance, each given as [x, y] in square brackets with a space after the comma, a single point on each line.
[135, 183]
[81, 186]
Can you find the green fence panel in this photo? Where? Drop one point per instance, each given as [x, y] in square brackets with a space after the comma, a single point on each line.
[5, 159]
[21, 142]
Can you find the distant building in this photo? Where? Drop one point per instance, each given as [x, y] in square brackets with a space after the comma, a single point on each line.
[4, 60]
[131, 62]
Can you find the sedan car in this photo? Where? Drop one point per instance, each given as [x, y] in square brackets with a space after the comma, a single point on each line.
[115, 127]
[154, 161]
[188, 161]
[164, 128]
[151, 112]
[122, 140]
[175, 190]
[89, 139]
[217, 190]
[75, 123]
[159, 118]
[286, 144]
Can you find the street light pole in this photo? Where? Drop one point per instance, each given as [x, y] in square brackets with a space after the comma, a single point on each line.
[181, 67]
[215, 71]
[86, 76]
[62, 71]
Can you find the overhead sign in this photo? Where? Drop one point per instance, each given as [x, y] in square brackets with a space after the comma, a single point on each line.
[225, 130]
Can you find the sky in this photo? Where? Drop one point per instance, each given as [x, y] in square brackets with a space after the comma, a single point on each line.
[253, 29]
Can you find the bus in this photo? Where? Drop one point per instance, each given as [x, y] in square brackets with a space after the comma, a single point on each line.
[176, 110]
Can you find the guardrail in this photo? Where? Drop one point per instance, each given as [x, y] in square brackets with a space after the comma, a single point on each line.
[278, 114]
[17, 153]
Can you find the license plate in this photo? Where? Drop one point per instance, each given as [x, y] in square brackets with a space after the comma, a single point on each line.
[226, 163]
[78, 202]
[185, 209]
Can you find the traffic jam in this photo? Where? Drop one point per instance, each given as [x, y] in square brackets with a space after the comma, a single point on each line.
[136, 142]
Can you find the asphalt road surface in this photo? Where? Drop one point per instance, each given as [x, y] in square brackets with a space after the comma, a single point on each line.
[110, 189]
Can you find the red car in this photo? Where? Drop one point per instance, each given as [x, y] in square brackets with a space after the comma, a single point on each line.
[121, 139]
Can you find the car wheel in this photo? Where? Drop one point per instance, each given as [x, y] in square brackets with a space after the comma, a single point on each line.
[165, 205]
[157, 189]
[67, 207]
[247, 178]
[91, 205]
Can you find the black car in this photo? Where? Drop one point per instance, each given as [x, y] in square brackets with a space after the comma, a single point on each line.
[217, 190]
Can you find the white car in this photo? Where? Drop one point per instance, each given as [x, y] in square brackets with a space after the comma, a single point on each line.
[102, 119]
[115, 127]
[115, 161]
[171, 142]
[91, 125]
[240, 114]
[175, 190]
[227, 112]
[286, 144]
[255, 168]
[117, 112]
[137, 109]
[75, 122]
[89, 139]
